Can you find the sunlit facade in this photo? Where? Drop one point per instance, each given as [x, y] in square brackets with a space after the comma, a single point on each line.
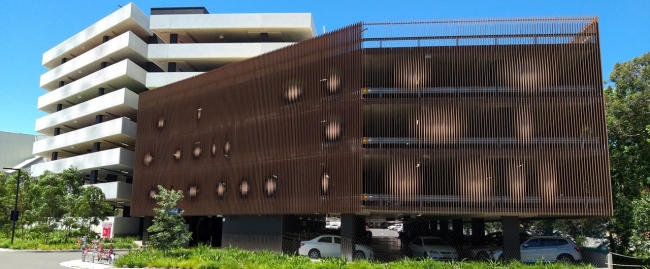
[454, 120]
[94, 79]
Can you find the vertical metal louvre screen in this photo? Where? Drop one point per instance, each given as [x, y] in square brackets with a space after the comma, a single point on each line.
[436, 125]
[494, 117]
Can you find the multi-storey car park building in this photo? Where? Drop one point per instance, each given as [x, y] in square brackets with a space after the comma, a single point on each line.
[95, 77]
[443, 122]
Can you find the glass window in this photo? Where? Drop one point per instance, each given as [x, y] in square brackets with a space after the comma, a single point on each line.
[325, 239]
[561, 242]
[337, 240]
[549, 242]
[533, 243]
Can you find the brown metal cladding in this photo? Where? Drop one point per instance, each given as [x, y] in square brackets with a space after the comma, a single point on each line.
[466, 118]
[292, 115]
[485, 118]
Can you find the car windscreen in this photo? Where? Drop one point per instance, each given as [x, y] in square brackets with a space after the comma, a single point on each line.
[434, 242]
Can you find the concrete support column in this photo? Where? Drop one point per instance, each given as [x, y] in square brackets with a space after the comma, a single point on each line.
[478, 232]
[444, 228]
[126, 211]
[349, 223]
[55, 155]
[171, 67]
[173, 38]
[457, 226]
[59, 107]
[152, 39]
[93, 176]
[146, 223]
[510, 238]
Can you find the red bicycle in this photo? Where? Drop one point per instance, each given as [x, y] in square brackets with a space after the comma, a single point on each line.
[106, 255]
[87, 252]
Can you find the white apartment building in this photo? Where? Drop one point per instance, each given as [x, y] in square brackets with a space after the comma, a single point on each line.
[95, 76]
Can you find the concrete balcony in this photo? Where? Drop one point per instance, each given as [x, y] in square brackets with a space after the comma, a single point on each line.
[155, 80]
[234, 28]
[112, 160]
[118, 132]
[208, 56]
[124, 74]
[115, 191]
[117, 104]
[126, 45]
[127, 18]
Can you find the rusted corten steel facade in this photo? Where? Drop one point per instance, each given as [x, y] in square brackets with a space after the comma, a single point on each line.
[450, 118]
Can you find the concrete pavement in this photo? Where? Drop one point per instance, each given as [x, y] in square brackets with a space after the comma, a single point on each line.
[78, 264]
[38, 259]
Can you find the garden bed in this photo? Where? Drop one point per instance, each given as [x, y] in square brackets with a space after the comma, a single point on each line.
[203, 257]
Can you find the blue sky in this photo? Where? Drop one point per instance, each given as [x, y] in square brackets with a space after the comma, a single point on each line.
[28, 28]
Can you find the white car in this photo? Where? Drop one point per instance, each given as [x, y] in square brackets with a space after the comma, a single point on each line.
[395, 227]
[546, 248]
[432, 247]
[330, 246]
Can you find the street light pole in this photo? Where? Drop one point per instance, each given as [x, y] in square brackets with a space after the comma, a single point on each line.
[14, 215]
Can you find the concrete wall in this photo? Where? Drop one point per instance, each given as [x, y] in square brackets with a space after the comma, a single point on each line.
[253, 232]
[15, 148]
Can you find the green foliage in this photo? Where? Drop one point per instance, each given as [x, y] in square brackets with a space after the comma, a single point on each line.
[122, 242]
[628, 125]
[204, 257]
[168, 229]
[92, 206]
[50, 207]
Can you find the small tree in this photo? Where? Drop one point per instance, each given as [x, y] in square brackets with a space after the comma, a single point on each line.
[93, 207]
[168, 229]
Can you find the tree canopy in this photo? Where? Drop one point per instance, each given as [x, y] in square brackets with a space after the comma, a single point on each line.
[627, 106]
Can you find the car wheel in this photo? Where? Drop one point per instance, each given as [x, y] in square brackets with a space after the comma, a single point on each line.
[482, 256]
[425, 255]
[565, 258]
[314, 254]
[359, 255]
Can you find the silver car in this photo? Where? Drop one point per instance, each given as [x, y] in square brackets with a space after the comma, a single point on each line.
[330, 246]
[547, 249]
[432, 247]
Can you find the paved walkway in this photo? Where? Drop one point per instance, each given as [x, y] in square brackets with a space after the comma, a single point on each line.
[47, 259]
[85, 265]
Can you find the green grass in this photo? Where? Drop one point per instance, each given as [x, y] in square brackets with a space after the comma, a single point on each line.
[61, 244]
[203, 257]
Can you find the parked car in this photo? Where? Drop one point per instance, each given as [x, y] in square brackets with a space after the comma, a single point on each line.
[330, 246]
[547, 249]
[333, 226]
[432, 247]
[493, 242]
[395, 227]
